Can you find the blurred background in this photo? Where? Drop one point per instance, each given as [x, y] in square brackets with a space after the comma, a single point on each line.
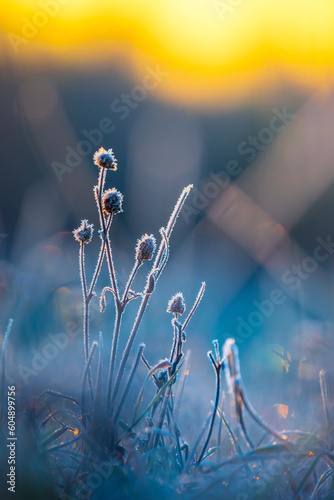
[233, 96]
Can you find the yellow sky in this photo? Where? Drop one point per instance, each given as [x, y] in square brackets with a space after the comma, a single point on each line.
[212, 49]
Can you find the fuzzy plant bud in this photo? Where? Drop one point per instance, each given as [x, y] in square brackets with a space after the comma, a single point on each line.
[84, 233]
[151, 280]
[105, 159]
[176, 305]
[145, 247]
[112, 201]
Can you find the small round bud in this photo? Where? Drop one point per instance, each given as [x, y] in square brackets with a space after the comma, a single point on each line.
[105, 159]
[145, 247]
[176, 305]
[84, 233]
[112, 201]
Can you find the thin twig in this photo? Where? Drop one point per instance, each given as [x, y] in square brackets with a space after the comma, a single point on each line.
[131, 376]
[130, 281]
[217, 368]
[119, 312]
[104, 232]
[194, 307]
[86, 374]
[99, 260]
[129, 344]
[84, 295]
[114, 344]
[154, 275]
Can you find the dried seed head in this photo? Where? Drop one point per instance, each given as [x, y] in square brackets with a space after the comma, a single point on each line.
[176, 305]
[84, 233]
[112, 201]
[105, 159]
[145, 247]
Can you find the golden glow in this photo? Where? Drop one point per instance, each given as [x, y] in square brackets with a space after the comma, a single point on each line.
[282, 410]
[212, 49]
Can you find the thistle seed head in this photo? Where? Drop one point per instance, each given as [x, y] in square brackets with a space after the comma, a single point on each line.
[105, 159]
[176, 305]
[112, 201]
[84, 233]
[145, 247]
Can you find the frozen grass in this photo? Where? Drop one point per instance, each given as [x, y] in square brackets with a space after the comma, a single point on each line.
[94, 447]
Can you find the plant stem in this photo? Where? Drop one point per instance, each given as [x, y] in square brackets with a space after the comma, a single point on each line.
[86, 375]
[113, 355]
[98, 192]
[85, 302]
[106, 248]
[133, 371]
[157, 267]
[130, 281]
[130, 343]
[194, 307]
[99, 260]
[170, 225]
[213, 417]
[120, 306]
[156, 436]
[112, 273]
[174, 342]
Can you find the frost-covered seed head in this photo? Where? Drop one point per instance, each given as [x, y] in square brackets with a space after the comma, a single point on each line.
[176, 305]
[84, 233]
[145, 247]
[112, 201]
[105, 159]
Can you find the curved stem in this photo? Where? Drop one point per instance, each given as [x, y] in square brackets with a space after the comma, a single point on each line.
[105, 227]
[112, 273]
[130, 343]
[194, 307]
[174, 342]
[213, 417]
[99, 260]
[261, 422]
[157, 266]
[98, 192]
[133, 371]
[170, 225]
[119, 311]
[130, 281]
[155, 437]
